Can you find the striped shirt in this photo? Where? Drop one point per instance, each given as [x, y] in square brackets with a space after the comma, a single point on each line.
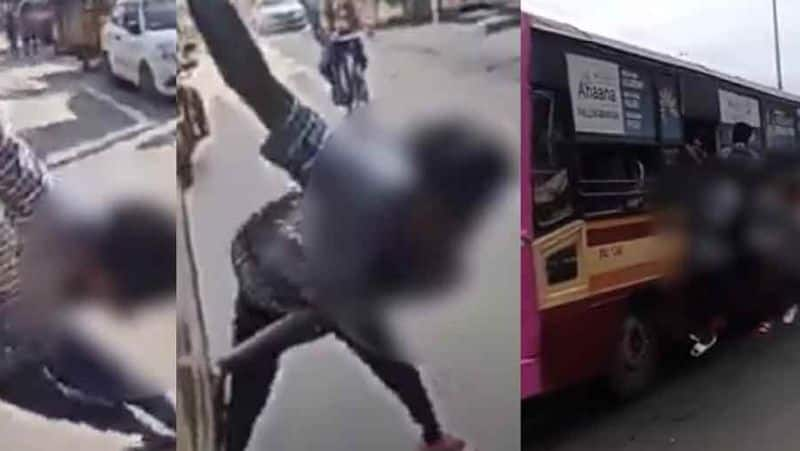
[23, 179]
[266, 253]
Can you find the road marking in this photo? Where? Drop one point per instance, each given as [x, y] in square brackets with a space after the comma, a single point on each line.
[134, 134]
[131, 112]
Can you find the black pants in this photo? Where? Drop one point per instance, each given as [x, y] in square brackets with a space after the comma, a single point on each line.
[11, 36]
[73, 381]
[333, 53]
[30, 44]
[251, 385]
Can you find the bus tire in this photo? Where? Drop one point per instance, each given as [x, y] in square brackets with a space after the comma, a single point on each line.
[635, 360]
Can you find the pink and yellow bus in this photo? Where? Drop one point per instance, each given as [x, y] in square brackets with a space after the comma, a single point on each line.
[601, 120]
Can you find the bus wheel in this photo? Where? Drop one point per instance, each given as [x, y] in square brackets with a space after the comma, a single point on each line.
[635, 359]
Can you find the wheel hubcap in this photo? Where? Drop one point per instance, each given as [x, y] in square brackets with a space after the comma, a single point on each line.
[635, 345]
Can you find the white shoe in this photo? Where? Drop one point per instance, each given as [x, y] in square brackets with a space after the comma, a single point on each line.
[790, 315]
[699, 347]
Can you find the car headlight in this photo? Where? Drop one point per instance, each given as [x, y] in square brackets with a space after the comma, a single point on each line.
[167, 52]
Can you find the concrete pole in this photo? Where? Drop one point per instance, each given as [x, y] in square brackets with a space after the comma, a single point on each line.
[777, 44]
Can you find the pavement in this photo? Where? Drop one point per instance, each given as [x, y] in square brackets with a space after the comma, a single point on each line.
[105, 143]
[742, 396]
[467, 345]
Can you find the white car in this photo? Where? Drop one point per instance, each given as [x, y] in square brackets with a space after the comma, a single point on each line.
[270, 16]
[140, 44]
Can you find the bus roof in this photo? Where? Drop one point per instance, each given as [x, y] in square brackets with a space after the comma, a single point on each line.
[563, 29]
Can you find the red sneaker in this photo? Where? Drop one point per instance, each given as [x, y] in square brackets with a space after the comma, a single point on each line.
[447, 443]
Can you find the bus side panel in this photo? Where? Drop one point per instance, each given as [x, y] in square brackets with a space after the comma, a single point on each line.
[530, 346]
[530, 368]
[578, 338]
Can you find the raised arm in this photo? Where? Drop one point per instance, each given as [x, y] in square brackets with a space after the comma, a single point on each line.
[240, 62]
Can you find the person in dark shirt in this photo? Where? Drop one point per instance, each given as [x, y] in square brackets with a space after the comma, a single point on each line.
[123, 260]
[11, 31]
[353, 231]
[740, 149]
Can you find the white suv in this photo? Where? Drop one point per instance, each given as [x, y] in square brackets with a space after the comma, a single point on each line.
[140, 44]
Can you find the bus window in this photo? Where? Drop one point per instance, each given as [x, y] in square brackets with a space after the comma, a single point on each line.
[551, 182]
[562, 266]
[543, 114]
[615, 179]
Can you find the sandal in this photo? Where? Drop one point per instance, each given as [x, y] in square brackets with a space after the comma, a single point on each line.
[790, 315]
[764, 327]
[699, 348]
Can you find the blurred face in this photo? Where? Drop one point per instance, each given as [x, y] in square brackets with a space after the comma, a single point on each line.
[434, 236]
[90, 282]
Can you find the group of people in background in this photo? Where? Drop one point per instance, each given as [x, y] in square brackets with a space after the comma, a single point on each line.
[23, 32]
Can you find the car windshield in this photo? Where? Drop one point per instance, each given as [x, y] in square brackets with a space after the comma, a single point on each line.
[160, 14]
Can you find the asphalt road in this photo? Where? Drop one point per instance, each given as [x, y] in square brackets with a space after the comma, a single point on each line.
[468, 345]
[743, 396]
[111, 144]
[58, 107]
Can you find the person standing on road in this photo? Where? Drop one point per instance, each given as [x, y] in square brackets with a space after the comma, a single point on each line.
[269, 251]
[11, 31]
[68, 256]
[27, 22]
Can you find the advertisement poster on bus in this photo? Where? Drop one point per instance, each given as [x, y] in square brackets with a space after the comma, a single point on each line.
[780, 129]
[596, 95]
[638, 103]
[735, 108]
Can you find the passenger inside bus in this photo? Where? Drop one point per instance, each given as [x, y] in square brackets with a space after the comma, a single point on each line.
[742, 146]
[700, 145]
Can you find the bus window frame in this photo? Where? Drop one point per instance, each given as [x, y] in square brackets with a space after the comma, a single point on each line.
[550, 96]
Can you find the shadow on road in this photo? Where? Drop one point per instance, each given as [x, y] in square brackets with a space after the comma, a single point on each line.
[741, 386]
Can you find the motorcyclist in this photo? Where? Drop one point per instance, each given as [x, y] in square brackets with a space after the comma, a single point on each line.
[342, 23]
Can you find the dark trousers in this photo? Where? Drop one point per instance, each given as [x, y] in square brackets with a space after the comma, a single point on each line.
[11, 36]
[251, 384]
[333, 53]
[30, 44]
[73, 381]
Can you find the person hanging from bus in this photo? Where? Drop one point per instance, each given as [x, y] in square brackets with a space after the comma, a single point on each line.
[56, 254]
[740, 148]
[410, 243]
[695, 152]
